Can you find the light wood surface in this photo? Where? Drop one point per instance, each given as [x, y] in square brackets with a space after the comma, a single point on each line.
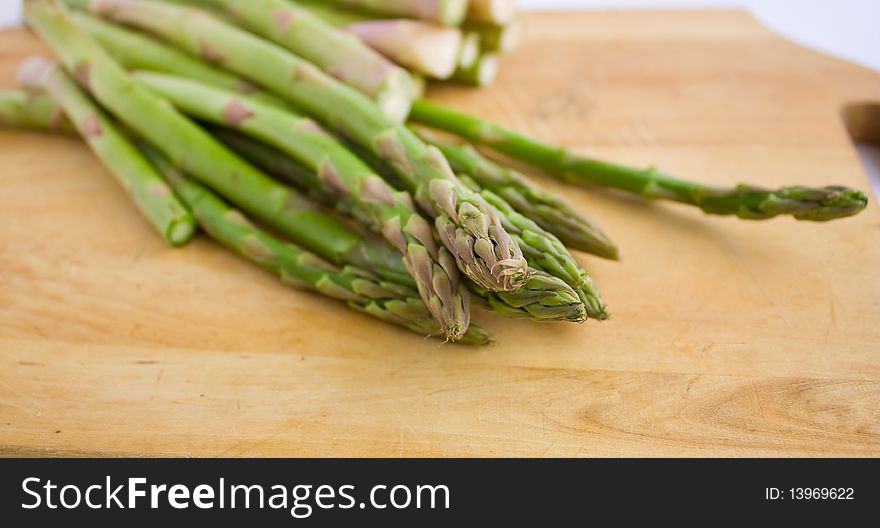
[729, 338]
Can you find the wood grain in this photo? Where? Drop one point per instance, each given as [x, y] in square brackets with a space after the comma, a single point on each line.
[729, 338]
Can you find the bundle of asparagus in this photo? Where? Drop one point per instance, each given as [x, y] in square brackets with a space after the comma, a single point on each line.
[292, 113]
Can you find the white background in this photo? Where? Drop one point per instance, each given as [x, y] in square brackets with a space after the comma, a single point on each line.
[849, 29]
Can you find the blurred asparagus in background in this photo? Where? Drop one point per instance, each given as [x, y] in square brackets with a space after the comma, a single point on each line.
[446, 12]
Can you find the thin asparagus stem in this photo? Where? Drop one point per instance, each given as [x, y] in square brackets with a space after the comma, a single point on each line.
[745, 201]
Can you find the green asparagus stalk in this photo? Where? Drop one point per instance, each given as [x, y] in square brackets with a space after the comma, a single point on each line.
[356, 190]
[148, 190]
[469, 227]
[745, 201]
[496, 12]
[543, 298]
[187, 145]
[481, 73]
[551, 212]
[295, 266]
[547, 253]
[446, 12]
[21, 110]
[136, 51]
[336, 52]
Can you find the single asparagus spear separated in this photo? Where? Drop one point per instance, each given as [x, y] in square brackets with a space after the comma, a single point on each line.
[547, 253]
[446, 12]
[136, 51]
[148, 190]
[355, 189]
[744, 201]
[33, 112]
[551, 212]
[499, 39]
[187, 145]
[336, 52]
[481, 73]
[420, 46]
[295, 266]
[496, 12]
[469, 227]
[543, 298]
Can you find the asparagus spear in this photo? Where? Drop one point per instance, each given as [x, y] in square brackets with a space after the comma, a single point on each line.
[423, 47]
[469, 227]
[189, 146]
[496, 12]
[481, 73]
[745, 201]
[551, 212]
[150, 193]
[547, 253]
[336, 52]
[137, 51]
[543, 298]
[356, 190]
[446, 12]
[28, 111]
[295, 266]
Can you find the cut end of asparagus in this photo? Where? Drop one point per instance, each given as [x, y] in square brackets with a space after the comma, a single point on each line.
[469, 51]
[498, 12]
[425, 48]
[181, 232]
[397, 98]
[35, 72]
[482, 72]
[452, 12]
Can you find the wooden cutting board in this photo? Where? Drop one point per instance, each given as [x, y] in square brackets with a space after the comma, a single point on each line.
[729, 338]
